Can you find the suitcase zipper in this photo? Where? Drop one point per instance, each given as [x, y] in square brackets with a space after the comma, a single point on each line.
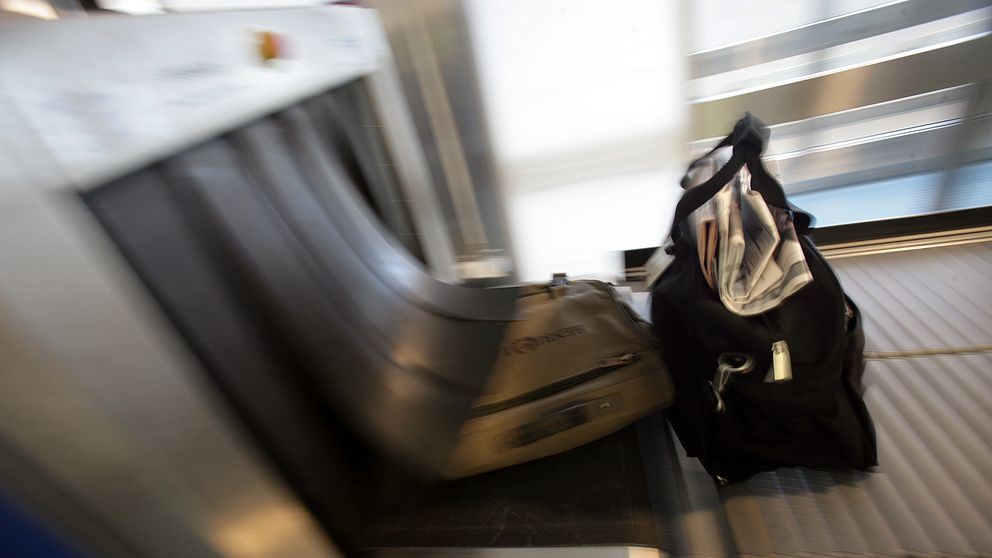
[602, 367]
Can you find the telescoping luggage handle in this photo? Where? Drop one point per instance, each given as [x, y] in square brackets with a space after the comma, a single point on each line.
[748, 141]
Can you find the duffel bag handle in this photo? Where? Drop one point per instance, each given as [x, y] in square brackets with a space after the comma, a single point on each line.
[748, 141]
[748, 130]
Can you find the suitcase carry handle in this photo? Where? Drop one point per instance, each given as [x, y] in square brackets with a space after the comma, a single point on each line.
[562, 419]
[549, 425]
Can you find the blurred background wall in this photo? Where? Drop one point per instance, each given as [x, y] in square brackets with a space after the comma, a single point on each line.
[572, 119]
[555, 131]
[584, 116]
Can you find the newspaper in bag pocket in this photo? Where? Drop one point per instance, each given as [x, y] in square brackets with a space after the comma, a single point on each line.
[772, 266]
[748, 251]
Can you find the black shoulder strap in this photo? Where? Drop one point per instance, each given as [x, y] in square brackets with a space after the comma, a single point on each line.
[748, 140]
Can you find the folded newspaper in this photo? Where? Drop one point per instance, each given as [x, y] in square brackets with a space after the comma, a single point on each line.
[749, 252]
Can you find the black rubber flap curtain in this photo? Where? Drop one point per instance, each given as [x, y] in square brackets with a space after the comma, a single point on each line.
[263, 232]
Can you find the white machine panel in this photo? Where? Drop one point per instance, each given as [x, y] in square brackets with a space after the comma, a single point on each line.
[110, 94]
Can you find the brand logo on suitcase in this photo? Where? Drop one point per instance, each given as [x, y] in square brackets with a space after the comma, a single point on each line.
[523, 345]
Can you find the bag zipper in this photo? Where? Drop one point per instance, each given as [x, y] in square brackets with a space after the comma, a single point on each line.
[602, 367]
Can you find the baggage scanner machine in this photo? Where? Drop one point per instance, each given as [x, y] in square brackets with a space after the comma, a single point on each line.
[212, 170]
[218, 337]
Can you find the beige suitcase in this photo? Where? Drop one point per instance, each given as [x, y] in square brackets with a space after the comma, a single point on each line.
[577, 365]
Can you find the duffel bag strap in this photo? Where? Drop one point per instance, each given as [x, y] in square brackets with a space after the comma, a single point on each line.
[748, 141]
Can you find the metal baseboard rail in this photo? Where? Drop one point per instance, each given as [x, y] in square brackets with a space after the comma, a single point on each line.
[888, 229]
[907, 242]
[917, 353]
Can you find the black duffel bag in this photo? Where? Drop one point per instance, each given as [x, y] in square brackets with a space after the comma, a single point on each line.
[818, 419]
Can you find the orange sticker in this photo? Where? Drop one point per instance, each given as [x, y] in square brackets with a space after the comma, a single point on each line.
[268, 46]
